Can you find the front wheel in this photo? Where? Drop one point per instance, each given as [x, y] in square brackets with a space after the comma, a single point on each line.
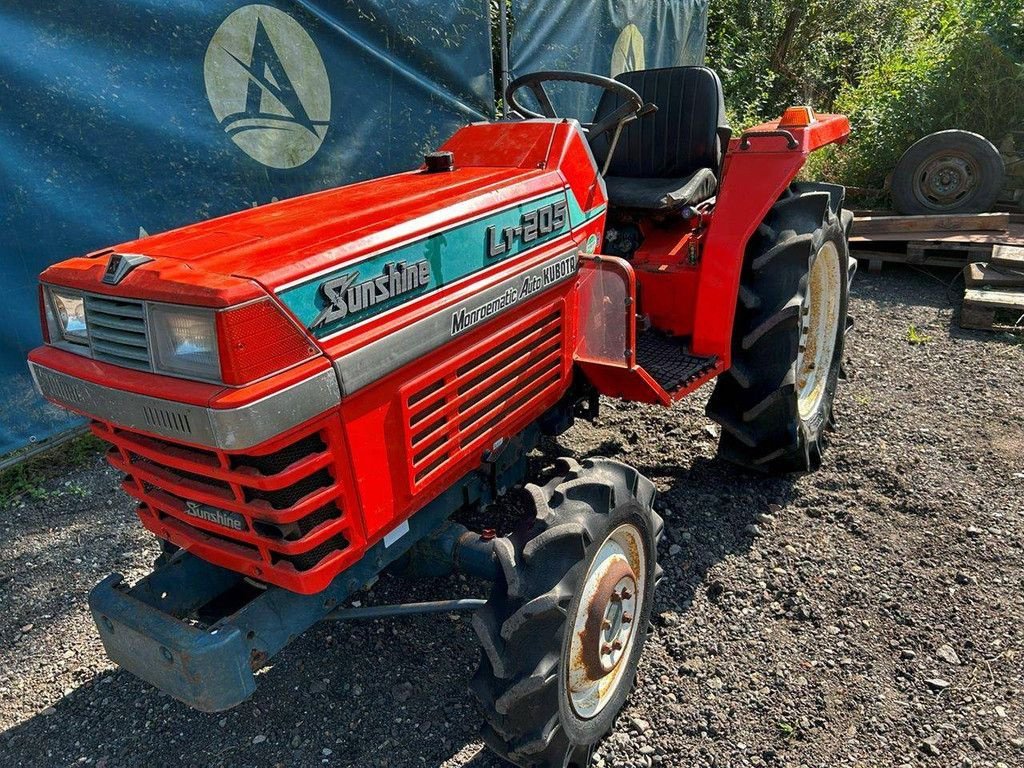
[775, 403]
[565, 626]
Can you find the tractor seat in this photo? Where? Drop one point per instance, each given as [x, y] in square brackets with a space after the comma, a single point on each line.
[671, 158]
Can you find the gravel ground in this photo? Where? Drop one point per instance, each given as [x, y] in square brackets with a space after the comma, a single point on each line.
[868, 615]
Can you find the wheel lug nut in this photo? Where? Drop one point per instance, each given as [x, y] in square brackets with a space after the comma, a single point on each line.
[615, 597]
[606, 649]
[606, 624]
[617, 645]
[626, 594]
[627, 618]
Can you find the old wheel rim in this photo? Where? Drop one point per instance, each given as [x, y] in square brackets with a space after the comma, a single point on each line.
[945, 180]
[607, 621]
[819, 329]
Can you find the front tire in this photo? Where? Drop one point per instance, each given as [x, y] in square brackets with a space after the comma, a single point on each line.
[775, 403]
[564, 628]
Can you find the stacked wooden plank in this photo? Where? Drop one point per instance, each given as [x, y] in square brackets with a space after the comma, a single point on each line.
[933, 241]
[994, 291]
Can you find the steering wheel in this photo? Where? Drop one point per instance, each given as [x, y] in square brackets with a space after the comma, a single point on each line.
[632, 107]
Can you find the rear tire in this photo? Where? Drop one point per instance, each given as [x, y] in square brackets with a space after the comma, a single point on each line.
[594, 529]
[775, 403]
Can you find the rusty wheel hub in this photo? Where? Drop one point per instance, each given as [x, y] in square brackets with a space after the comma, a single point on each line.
[819, 330]
[606, 623]
[946, 179]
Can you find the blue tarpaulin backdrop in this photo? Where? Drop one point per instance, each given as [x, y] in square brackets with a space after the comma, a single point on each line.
[116, 115]
[605, 37]
[121, 115]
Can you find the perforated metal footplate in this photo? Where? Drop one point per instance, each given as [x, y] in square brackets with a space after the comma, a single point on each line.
[668, 360]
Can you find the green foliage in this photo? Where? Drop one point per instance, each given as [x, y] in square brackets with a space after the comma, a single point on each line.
[899, 68]
[28, 479]
[916, 337]
[774, 53]
[21, 480]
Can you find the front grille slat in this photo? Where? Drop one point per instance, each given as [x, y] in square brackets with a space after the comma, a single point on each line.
[117, 307]
[278, 516]
[129, 338]
[134, 325]
[117, 331]
[449, 414]
[127, 351]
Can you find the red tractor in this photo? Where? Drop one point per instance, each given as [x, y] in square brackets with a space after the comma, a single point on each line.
[302, 394]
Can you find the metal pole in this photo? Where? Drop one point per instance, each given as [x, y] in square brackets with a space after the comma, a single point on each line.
[404, 609]
[42, 446]
[503, 74]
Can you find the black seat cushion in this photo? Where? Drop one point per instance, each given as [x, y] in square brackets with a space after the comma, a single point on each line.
[675, 142]
[661, 194]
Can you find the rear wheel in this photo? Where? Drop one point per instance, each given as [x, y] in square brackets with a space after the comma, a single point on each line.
[565, 626]
[775, 402]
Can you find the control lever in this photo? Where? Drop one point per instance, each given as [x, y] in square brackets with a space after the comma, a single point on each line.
[647, 109]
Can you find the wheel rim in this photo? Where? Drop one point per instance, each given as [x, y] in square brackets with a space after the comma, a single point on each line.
[606, 627]
[943, 181]
[819, 329]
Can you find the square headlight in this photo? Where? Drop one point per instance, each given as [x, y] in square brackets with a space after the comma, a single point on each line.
[184, 341]
[66, 317]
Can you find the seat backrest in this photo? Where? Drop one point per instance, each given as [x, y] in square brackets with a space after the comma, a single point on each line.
[677, 140]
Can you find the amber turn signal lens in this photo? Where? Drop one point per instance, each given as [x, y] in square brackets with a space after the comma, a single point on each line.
[798, 117]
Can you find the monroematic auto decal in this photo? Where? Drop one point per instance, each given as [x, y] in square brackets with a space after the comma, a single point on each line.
[330, 302]
[465, 318]
[268, 86]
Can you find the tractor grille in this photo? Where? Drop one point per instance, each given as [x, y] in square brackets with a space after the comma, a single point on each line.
[117, 331]
[458, 409]
[277, 516]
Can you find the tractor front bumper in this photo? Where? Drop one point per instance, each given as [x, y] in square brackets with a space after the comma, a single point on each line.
[198, 632]
[208, 671]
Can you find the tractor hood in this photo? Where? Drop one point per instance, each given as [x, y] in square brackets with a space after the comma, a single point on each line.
[237, 257]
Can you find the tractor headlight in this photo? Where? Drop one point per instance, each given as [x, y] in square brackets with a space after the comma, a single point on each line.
[184, 341]
[66, 317]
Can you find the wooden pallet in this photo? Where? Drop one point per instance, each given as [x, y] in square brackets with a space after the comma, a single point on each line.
[991, 276]
[924, 253]
[1008, 257]
[993, 309]
[901, 228]
[934, 241]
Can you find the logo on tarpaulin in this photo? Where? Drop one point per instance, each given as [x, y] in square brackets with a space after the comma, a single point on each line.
[628, 52]
[268, 86]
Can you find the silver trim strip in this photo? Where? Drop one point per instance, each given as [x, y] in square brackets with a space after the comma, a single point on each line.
[373, 361]
[231, 429]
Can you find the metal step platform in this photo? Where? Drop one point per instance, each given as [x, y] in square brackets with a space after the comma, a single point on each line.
[668, 360]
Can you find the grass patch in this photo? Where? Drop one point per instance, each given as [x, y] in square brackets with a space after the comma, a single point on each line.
[916, 337]
[28, 479]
